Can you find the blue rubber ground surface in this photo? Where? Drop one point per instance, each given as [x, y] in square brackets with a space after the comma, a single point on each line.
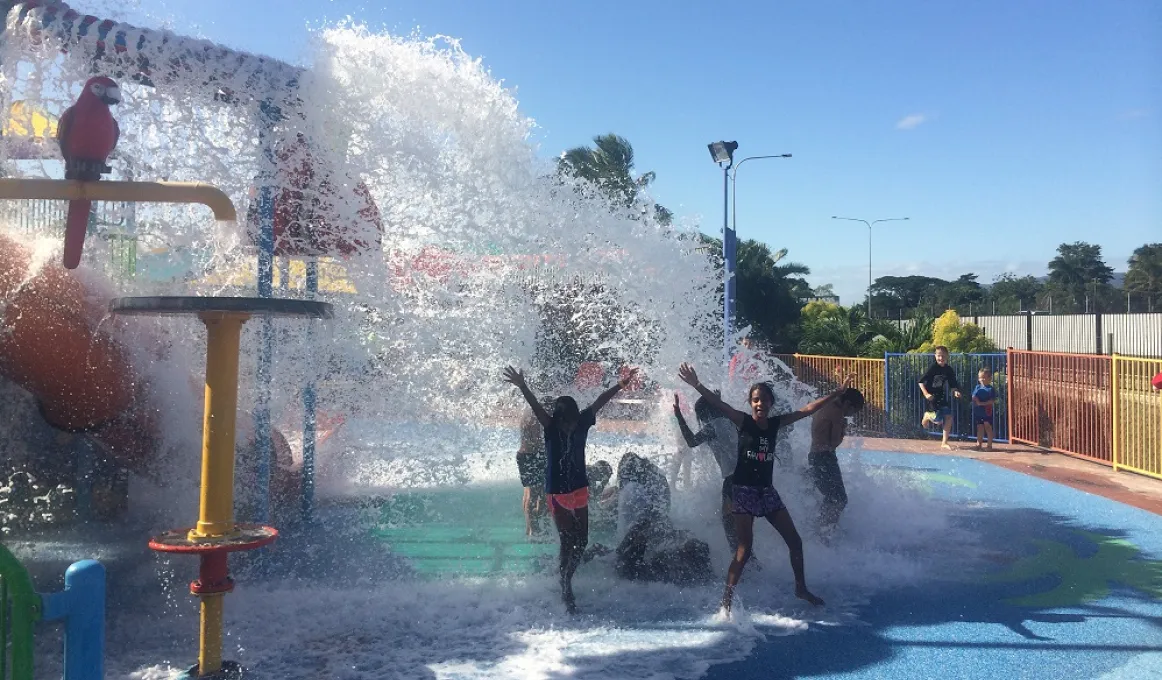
[1079, 594]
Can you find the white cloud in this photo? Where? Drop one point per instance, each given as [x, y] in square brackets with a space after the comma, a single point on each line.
[912, 121]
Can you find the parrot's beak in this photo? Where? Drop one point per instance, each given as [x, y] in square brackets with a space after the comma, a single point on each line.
[112, 95]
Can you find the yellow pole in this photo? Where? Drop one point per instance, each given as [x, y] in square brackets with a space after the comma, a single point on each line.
[141, 192]
[1116, 410]
[216, 511]
[210, 649]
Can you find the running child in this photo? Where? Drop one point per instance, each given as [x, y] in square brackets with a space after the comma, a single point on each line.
[753, 493]
[934, 386]
[828, 427]
[984, 396]
[566, 482]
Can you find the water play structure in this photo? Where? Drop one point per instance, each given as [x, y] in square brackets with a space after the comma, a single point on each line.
[397, 182]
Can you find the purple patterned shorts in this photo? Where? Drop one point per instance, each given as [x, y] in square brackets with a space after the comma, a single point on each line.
[757, 501]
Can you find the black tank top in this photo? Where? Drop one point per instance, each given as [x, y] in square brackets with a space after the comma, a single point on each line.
[756, 453]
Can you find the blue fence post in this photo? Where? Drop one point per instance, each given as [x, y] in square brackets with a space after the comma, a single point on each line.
[264, 446]
[887, 398]
[82, 607]
[309, 420]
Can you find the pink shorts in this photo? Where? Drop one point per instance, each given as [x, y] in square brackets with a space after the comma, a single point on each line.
[572, 501]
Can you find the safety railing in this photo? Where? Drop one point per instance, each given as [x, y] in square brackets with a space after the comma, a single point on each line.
[1064, 403]
[81, 606]
[906, 404]
[1100, 408]
[1137, 415]
[826, 374]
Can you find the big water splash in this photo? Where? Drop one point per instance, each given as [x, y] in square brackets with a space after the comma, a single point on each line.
[413, 362]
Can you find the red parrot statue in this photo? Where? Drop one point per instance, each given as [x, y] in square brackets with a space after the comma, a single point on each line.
[87, 133]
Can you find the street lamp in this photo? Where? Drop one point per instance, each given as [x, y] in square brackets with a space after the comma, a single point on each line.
[869, 250]
[723, 155]
[723, 152]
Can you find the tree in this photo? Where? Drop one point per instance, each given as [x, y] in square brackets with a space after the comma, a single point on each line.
[1144, 275]
[832, 330]
[767, 291]
[1012, 293]
[899, 338]
[958, 336]
[609, 165]
[961, 294]
[904, 293]
[1078, 273]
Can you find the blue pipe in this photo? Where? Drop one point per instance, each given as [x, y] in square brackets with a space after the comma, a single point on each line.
[82, 607]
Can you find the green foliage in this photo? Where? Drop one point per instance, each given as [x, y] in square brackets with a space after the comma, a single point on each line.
[958, 336]
[767, 291]
[1144, 275]
[1077, 273]
[609, 164]
[817, 310]
[831, 330]
[895, 338]
[1013, 293]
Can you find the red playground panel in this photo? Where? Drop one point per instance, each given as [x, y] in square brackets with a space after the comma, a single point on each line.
[636, 384]
[590, 375]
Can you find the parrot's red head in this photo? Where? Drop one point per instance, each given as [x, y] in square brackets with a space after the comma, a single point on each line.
[104, 89]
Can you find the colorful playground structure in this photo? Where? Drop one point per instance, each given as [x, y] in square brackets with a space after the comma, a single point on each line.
[216, 533]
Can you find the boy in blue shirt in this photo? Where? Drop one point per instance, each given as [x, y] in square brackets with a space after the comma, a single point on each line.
[984, 395]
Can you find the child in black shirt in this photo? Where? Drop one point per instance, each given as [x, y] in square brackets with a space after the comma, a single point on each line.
[753, 492]
[934, 386]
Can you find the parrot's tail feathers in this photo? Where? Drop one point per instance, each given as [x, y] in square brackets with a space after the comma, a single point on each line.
[86, 171]
[76, 225]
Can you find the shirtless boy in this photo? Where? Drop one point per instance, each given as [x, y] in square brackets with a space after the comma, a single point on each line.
[828, 426]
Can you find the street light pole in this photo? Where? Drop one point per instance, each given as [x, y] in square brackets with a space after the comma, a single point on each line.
[869, 250]
[734, 178]
[723, 154]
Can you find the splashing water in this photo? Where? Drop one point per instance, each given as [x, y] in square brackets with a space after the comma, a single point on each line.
[413, 361]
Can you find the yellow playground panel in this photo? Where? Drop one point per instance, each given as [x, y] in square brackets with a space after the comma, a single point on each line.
[1137, 416]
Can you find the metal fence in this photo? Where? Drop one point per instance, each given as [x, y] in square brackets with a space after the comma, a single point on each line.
[906, 404]
[1096, 407]
[1137, 420]
[827, 373]
[1131, 334]
[1066, 403]
[111, 221]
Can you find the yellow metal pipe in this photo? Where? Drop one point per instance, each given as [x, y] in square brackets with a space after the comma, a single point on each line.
[140, 192]
[216, 511]
[210, 647]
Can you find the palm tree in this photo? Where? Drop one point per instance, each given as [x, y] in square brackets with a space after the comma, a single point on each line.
[895, 338]
[609, 165]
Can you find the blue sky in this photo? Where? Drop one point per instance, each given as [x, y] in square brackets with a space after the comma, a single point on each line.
[1001, 127]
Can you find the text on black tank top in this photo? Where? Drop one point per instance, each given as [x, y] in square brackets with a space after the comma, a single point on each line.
[756, 453]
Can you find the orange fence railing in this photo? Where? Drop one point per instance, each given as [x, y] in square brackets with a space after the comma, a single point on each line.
[1096, 407]
[827, 373]
[1062, 402]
